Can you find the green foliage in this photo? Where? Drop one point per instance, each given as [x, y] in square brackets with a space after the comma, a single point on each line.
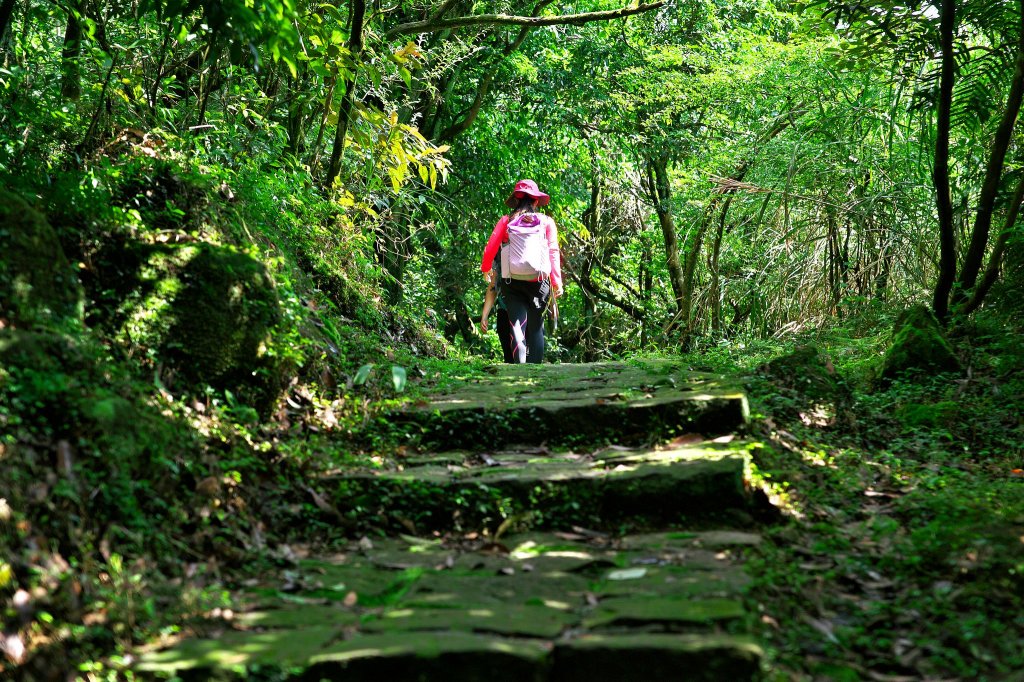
[915, 415]
[115, 447]
[187, 317]
[918, 343]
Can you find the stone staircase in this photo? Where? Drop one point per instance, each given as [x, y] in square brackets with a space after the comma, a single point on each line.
[570, 522]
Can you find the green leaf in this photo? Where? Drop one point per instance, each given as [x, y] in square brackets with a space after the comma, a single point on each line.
[398, 377]
[362, 374]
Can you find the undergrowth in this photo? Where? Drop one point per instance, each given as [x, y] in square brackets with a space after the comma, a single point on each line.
[903, 553]
[131, 495]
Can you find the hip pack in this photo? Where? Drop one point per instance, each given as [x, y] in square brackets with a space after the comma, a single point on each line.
[525, 256]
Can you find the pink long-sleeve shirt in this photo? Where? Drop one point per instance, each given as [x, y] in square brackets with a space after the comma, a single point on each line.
[500, 236]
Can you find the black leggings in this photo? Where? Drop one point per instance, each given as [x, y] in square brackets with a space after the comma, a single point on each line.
[525, 302]
[505, 335]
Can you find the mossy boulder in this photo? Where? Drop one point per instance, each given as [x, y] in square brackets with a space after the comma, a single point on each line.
[918, 343]
[203, 311]
[806, 370]
[805, 381]
[223, 315]
[38, 286]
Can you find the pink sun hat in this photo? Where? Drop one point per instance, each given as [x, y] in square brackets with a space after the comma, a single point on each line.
[526, 188]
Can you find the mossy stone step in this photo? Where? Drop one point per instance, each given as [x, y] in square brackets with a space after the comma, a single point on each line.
[543, 606]
[643, 487]
[461, 657]
[695, 658]
[628, 403]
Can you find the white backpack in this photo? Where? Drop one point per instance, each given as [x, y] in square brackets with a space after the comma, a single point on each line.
[525, 256]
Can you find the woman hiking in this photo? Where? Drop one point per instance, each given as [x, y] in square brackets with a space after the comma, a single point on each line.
[531, 270]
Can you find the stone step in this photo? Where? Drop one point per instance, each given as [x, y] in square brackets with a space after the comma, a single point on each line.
[644, 487]
[539, 606]
[625, 403]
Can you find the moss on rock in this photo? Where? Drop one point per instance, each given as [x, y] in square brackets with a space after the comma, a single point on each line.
[222, 320]
[38, 287]
[806, 381]
[918, 343]
[202, 310]
[808, 371]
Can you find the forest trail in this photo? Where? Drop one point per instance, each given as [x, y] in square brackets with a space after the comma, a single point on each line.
[577, 454]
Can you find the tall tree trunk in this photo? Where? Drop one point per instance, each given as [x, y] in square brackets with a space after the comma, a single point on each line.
[686, 316]
[993, 174]
[646, 286]
[295, 127]
[661, 194]
[71, 55]
[885, 261]
[995, 260]
[592, 221]
[940, 170]
[715, 293]
[314, 161]
[355, 48]
[834, 258]
[6, 11]
[393, 252]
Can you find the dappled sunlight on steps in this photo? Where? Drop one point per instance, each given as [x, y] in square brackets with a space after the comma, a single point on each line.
[573, 599]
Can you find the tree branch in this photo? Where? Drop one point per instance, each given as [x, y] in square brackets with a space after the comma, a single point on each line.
[469, 116]
[442, 10]
[940, 167]
[607, 297]
[431, 26]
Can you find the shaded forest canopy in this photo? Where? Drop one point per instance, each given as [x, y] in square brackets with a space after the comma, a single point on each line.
[232, 231]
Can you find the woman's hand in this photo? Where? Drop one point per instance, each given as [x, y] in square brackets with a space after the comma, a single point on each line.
[483, 324]
[489, 276]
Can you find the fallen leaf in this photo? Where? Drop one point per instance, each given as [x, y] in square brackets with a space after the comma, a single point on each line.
[627, 574]
[824, 627]
[589, 533]
[685, 439]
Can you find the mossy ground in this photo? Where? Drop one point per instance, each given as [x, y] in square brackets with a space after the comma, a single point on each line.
[904, 520]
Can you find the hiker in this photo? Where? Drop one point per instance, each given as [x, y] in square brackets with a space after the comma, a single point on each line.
[493, 300]
[531, 271]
